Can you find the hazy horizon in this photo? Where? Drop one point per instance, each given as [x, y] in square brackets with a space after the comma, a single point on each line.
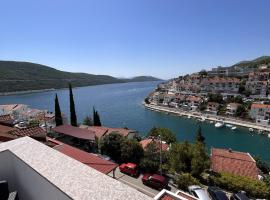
[123, 38]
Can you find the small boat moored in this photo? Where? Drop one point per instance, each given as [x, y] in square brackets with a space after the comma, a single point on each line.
[229, 125]
[251, 129]
[234, 128]
[218, 125]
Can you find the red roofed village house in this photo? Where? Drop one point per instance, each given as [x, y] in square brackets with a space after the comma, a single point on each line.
[260, 113]
[178, 195]
[157, 142]
[234, 162]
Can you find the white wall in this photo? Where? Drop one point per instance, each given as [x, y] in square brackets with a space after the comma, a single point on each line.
[29, 184]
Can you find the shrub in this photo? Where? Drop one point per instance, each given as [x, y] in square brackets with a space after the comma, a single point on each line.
[234, 183]
[184, 180]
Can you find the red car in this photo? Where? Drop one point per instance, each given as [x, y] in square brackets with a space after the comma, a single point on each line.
[129, 168]
[155, 181]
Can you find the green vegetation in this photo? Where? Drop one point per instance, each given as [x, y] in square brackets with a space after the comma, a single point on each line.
[151, 159]
[215, 97]
[166, 134]
[111, 145]
[87, 121]
[254, 63]
[262, 165]
[199, 136]
[120, 148]
[34, 122]
[57, 111]
[96, 118]
[253, 188]
[131, 151]
[184, 180]
[73, 117]
[22, 76]
[241, 111]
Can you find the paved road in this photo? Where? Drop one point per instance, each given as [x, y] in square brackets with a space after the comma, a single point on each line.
[137, 183]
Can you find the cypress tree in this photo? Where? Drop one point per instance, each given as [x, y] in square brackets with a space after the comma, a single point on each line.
[199, 136]
[73, 117]
[57, 111]
[96, 118]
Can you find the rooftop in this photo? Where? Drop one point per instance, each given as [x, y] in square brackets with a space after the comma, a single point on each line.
[259, 105]
[49, 174]
[178, 195]
[75, 132]
[238, 163]
[89, 159]
[147, 141]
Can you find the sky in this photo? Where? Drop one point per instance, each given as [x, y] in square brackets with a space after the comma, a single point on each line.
[124, 38]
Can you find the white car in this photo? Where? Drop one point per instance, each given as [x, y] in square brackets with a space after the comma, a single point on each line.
[198, 192]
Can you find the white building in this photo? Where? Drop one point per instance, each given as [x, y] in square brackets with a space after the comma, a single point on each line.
[261, 113]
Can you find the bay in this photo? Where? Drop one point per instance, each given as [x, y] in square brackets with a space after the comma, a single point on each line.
[119, 105]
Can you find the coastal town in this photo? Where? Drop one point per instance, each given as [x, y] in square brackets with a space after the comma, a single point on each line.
[145, 167]
[230, 96]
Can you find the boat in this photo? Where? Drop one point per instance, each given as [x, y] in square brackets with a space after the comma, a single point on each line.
[211, 122]
[234, 127]
[229, 125]
[189, 116]
[260, 131]
[202, 119]
[218, 125]
[251, 129]
[269, 135]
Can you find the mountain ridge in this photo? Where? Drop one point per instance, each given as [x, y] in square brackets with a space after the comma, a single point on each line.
[16, 76]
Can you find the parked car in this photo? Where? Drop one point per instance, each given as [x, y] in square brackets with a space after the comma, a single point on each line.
[154, 180]
[216, 193]
[239, 196]
[198, 192]
[129, 168]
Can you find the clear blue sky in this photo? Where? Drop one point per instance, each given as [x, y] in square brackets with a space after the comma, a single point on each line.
[163, 38]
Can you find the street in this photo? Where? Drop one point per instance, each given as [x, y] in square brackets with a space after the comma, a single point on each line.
[137, 183]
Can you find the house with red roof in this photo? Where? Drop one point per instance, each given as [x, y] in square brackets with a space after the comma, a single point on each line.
[89, 159]
[234, 162]
[7, 120]
[75, 136]
[164, 146]
[260, 113]
[8, 133]
[101, 131]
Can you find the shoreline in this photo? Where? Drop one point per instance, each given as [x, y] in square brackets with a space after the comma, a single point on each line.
[207, 117]
[26, 92]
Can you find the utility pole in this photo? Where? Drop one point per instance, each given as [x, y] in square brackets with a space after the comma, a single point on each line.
[160, 155]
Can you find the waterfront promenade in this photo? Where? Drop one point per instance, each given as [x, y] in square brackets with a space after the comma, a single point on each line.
[208, 117]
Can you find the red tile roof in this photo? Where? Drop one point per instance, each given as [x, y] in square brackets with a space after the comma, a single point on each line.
[146, 142]
[238, 163]
[5, 118]
[100, 131]
[30, 131]
[89, 159]
[75, 132]
[5, 129]
[259, 105]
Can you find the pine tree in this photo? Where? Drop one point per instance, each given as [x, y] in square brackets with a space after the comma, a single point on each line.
[57, 110]
[73, 117]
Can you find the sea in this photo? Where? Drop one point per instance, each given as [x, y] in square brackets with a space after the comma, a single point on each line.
[120, 105]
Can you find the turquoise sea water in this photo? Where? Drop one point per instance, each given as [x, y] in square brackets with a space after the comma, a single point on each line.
[119, 105]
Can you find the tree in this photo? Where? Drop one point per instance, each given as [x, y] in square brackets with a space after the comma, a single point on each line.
[87, 121]
[238, 99]
[179, 158]
[184, 180]
[215, 97]
[73, 117]
[240, 111]
[262, 165]
[151, 159]
[57, 111]
[131, 151]
[203, 73]
[166, 134]
[199, 136]
[111, 145]
[200, 159]
[96, 118]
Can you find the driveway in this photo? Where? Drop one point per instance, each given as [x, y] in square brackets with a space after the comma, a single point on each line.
[137, 183]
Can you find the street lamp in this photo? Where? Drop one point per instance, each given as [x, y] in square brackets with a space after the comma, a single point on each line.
[160, 155]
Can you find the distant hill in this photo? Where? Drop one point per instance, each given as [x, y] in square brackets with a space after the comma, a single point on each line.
[254, 63]
[23, 76]
[142, 79]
